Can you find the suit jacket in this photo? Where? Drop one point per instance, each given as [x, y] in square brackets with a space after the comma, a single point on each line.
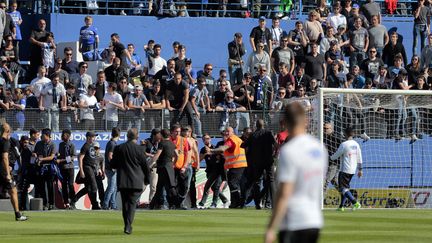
[132, 170]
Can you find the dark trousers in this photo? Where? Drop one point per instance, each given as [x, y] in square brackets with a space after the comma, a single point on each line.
[299, 236]
[182, 184]
[28, 177]
[187, 111]
[214, 181]
[44, 188]
[254, 181]
[192, 190]
[234, 178]
[129, 202]
[68, 190]
[91, 185]
[165, 182]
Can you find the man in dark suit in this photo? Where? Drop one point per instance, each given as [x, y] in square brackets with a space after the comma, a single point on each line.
[132, 173]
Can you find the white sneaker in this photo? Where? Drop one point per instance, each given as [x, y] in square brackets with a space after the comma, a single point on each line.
[365, 137]
[123, 13]
[414, 138]
[213, 206]
[226, 205]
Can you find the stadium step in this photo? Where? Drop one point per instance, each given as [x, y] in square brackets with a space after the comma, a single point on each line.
[5, 205]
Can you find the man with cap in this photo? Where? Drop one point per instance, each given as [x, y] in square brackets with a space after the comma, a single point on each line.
[87, 103]
[132, 174]
[236, 51]
[65, 159]
[45, 152]
[87, 168]
[262, 34]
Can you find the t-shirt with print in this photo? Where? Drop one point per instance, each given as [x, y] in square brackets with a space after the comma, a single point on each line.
[88, 35]
[198, 95]
[358, 37]
[87, 113]
[66, 149]
[111, 113]
[137, 101]
[89, 153]
[282, 55]
[52, 95]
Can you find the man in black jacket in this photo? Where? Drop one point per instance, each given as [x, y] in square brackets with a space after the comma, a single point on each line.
[132, 173]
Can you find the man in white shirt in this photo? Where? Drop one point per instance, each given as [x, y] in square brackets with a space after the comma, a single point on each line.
[51, 95]
[39, 82]
[155, 63]
[112, 101]
[87, 103]
[350, 156]
[81, 80]
[297, 209]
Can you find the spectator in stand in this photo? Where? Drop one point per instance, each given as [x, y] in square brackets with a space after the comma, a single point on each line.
[108, 61]
[382, 80]
[277, 32]
[258, 58]
[17, 19]
[101, 86]
[65, 159]
[120, 51]
[154, 62]
[263, 90]
[359, 80]
[397, 67]
[261, 34]
[177, 95]
[354, 14]
[32, 102]
[115, 72]
[401, 82]
[244, 96]
[175, 46]
[112, 102]
[180, 60]
[312, 88]
[392, 49]
[414, 69]
[297, 41]
[11, 53]
[48, 51]
[313, 27]
[57, 70]
[137, 103]
[336, 18]
[282, 54]
[81, 80]
[206, 73]
[199, 103]
[70, 116]
[52, 95]
[219, 95]
[421, 28]
[6, 77]
[222, 77]
[300, 76]
[8, 23]
[236, 51]
[301, 96]
[227, 108]
[335, 78]
[343, 40]
[280, 99]
[315, 64]
[370, 66]
[284, 77]
[137, 60]
[370, 9]
[39, 82]
[325, 42]
[347, 8]
[426, 55]
[88, 40]
[18, 104]
[69, 65]
[87, 103]
[359, 43]
[323, 10]
[379, 37]
[37, 37]
[334, 54]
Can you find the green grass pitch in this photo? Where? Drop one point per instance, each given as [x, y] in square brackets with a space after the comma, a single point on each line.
[210, 226]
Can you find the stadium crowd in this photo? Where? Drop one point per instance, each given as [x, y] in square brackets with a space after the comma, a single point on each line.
[344, 46]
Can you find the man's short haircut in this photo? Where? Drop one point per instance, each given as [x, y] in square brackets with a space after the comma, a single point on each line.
[222, 71]
[115, 35]
[394, 33]
[181, 47]
[350, 76]
[186, 129]
[201, 80]
[132, 134]
[357, 18]
[130, 44]
[207, 64]
[88, 17]
[294, 115]
[55, 76]
[150, 42]
[33, 131]
[67, 49]
[175, 127]
[70, 86]
[165, 133]
[282, 88]
[171, 60]
[298, 22]
[81, 64]
[115, 132]
[175, 43]
[157, 46]
[4, 127]
[398, 57]
[100, 72]
[349, 132]
[113, 86]
[282, 64]
[259, 124]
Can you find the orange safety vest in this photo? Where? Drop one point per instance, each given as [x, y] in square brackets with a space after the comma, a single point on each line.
[236, 159]
[180, 147]
[195, 162]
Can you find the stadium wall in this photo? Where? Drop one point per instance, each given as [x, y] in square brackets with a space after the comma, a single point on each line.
[206, 38]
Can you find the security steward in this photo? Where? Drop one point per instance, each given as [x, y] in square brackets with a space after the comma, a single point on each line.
[132, 174]
[235, 163]
[181, 165]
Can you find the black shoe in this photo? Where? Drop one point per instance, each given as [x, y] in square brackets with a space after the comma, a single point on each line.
[96, 208]
[128, 230]
[51, 207]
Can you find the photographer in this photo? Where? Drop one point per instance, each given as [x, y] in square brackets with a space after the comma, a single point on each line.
[236, 51]
[244, 96]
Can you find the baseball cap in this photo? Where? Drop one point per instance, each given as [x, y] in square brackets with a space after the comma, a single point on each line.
[356, 6]
[91, 134]
[262, 18]
[138, 87]
[96, 144]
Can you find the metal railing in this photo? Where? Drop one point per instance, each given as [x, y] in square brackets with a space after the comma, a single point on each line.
[221, 8]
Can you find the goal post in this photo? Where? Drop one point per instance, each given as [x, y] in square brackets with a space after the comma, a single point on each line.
[394, 129]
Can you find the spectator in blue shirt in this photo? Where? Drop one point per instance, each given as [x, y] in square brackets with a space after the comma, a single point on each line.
[88, 40]
[17, 20]
[228, 107]
[136, 60]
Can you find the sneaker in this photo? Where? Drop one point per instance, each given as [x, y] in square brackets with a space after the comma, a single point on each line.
[365, 137]
[414, 138]
[21, 218]
[356, 206]
[213, 206]
[340, 209]
[51, 207]
[123, 13]
[226, 204]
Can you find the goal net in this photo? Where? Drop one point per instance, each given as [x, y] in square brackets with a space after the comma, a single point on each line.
[393, 128]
